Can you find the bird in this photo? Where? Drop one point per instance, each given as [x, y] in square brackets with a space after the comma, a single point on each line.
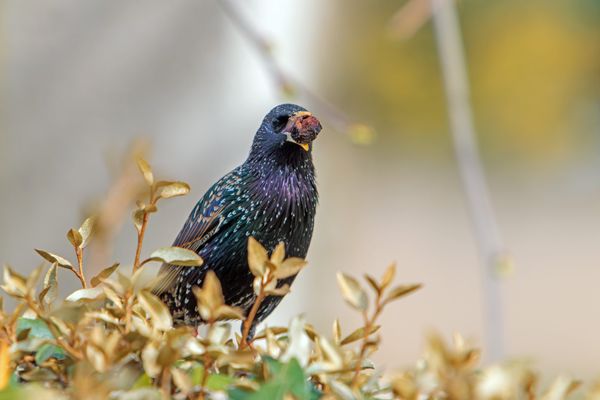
[271, 197]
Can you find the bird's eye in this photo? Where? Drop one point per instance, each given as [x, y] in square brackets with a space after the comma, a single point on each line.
[279, 123]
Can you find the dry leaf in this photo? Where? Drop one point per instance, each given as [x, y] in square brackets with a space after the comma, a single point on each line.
[53, 258]
[352, 292]
[146, 170]
[102, 275]
[176, 256]
[400, 291]
[289, 267]
[257, 257]
[359, 334]
[172, 189]
[161, 317]
[86, 230]
[75, 238]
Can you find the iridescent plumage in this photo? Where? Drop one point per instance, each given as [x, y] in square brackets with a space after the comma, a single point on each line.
[272, 196]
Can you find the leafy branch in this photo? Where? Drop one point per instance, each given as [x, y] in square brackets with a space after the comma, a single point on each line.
[267, 271]
[157, 190]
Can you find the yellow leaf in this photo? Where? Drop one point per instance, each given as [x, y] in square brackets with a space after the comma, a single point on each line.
[227, 312]
[85, 294]
[75, 238]
[388, 276]
[14, 284]
[278, 254]
[172, 189]
[400, 291]
[289, 267]
[257, 257]
[176, 256]
[373, 283]
[210, 296]
[156, 309]
[280, 291]
[105, 273]
[146, 170]
[359, 334]
[53, 258]
[352, 292]
[86, 230]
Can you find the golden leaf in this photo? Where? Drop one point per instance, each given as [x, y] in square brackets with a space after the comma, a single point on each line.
[210, 296]
[257, 257]
[278, 254]
[102, 275]
[156, 309]
[50, 290]
[289, 267]
[53, 258]
[138, 219]
[280, 291]
[150, 360]
[14, 284]
[337, 331]
[359, 334]
[172, 189]
[400, 291]
[75, 238]
[373, 283]
[181, 380]
[96, 357]
[146, 170]
[227, 312]
[352, 292]
[85, 294]
[176, 256]
[86, 230]
[388, 276]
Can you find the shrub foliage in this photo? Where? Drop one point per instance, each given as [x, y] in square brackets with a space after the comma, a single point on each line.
[114, 339]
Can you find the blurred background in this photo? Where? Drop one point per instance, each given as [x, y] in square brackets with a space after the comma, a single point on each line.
[80, 80]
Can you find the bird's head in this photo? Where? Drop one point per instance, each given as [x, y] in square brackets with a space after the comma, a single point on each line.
[287, 128]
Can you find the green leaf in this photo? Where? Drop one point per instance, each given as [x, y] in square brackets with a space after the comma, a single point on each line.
[37, 328]
[142, 382]
[285, 379]
[47, 351]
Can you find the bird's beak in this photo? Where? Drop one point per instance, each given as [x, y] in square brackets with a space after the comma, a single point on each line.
[298, 122]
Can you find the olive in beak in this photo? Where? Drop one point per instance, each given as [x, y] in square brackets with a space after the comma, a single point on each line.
[302, 128]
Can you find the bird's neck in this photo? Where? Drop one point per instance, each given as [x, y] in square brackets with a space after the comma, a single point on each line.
[291, 175]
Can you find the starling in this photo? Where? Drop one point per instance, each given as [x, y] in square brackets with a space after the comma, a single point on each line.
[272, 197]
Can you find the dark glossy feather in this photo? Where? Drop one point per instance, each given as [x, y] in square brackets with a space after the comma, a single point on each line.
[272, 197]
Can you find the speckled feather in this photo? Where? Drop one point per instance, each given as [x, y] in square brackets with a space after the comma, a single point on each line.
[272, 197]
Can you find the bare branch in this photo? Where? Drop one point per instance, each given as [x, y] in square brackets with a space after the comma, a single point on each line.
[487, 234]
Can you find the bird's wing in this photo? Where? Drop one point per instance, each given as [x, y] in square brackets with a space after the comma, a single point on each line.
[202, 224]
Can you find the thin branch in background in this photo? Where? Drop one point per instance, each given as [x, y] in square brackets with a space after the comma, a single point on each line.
[491, 246]
[114, 208]
[289, 85]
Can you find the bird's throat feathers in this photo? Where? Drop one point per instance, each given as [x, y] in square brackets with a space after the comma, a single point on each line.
[284, 178]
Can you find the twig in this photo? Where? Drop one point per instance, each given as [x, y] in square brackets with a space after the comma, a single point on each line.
[79, 254]
[487, 234]
[251, 316]
[368, 326]
[142, 231]
[284, 81]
